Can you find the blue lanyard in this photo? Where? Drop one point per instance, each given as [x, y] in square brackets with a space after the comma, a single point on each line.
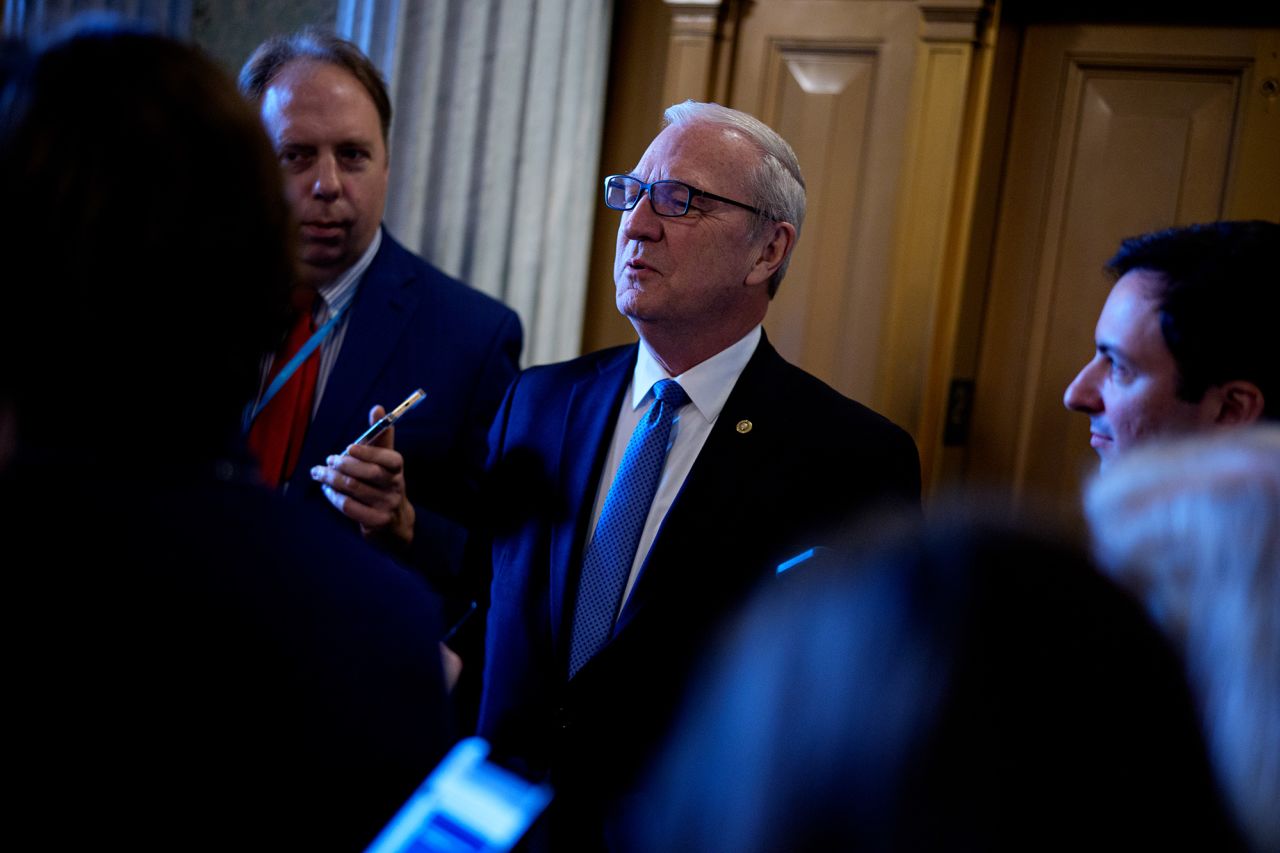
[294, 363]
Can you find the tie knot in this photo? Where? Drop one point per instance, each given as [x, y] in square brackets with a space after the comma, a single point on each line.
[670, 392]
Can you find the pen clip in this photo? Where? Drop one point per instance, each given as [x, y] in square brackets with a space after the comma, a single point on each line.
[391, 417]
[412, 400]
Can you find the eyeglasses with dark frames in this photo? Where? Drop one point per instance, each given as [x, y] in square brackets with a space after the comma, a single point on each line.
[668, 198]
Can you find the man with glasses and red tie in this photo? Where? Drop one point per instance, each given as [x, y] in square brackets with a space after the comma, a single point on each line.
[643, 491]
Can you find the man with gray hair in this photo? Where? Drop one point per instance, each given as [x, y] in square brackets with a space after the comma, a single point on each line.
[644, 490]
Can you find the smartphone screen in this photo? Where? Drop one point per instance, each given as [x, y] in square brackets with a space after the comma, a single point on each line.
[467, 804]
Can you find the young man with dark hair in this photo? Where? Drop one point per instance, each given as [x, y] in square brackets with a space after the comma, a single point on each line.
[1185, 341]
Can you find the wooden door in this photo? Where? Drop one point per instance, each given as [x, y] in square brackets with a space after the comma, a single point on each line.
[1116, 130]
[834, 78]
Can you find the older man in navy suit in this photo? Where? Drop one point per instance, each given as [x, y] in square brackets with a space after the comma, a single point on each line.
[642, 491]
[385, 322]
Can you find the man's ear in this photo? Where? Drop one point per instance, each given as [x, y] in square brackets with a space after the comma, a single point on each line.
[778, 238]
[1242, 403]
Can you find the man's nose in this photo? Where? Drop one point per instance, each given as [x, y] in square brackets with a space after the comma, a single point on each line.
[641, 222]
[326, 186]
[1082, 394]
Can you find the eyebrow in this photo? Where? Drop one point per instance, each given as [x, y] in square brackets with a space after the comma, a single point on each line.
[1109, 349]
[293, 137]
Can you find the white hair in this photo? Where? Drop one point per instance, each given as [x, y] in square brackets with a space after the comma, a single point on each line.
[775, 185]
[1193, 528]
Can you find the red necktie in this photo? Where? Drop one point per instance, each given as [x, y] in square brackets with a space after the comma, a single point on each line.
[277, 432]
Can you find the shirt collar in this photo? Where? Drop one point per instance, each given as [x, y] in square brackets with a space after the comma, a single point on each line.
[708, 383]
[339, 292]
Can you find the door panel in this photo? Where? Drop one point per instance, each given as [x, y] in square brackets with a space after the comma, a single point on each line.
[834, 78]
[820, 97]
[1116, 131]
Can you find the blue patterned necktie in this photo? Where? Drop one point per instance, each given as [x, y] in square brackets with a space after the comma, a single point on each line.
[612, 549]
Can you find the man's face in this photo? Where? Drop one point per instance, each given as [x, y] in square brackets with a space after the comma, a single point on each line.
[327, 134]
[1129, 388]
[691, 274]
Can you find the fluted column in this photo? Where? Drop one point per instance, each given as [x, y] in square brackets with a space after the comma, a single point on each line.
[33, 17]
[498, 110]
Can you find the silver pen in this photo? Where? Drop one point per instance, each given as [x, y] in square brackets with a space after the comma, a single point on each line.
[389, 419]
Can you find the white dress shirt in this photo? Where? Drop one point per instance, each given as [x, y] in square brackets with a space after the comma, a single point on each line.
[708, 385]
[337, 294]
[334, 296]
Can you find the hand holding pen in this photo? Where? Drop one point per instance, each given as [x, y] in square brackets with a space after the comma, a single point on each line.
[380, 426]
[366, 482]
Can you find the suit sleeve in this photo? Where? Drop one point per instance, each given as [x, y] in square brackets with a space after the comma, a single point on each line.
[468, 640]
[439, 540]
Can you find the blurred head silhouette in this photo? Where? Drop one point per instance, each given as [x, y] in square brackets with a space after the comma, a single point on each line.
[956, 688]
[1192, 527]
[147, 245]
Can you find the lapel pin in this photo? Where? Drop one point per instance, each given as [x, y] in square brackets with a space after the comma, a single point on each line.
[744, 426]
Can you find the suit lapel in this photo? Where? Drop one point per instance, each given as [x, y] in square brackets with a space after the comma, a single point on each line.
[381, 312]
[590, 417]
[724, 476]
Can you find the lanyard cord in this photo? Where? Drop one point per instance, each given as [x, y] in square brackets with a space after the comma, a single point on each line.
[294, 363]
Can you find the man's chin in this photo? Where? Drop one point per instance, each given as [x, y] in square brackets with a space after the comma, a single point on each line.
[316, 271]
[322, 252]
[628, 304]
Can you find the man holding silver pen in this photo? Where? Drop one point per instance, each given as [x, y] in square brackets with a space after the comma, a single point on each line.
[375, 322]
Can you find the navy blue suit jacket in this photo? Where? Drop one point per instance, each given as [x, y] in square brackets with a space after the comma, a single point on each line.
[412, 326]
[206, 665]
[810, 460]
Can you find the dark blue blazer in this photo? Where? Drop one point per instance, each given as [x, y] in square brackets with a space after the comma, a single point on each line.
[206, 665]
[413, 327]
[788, 463]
